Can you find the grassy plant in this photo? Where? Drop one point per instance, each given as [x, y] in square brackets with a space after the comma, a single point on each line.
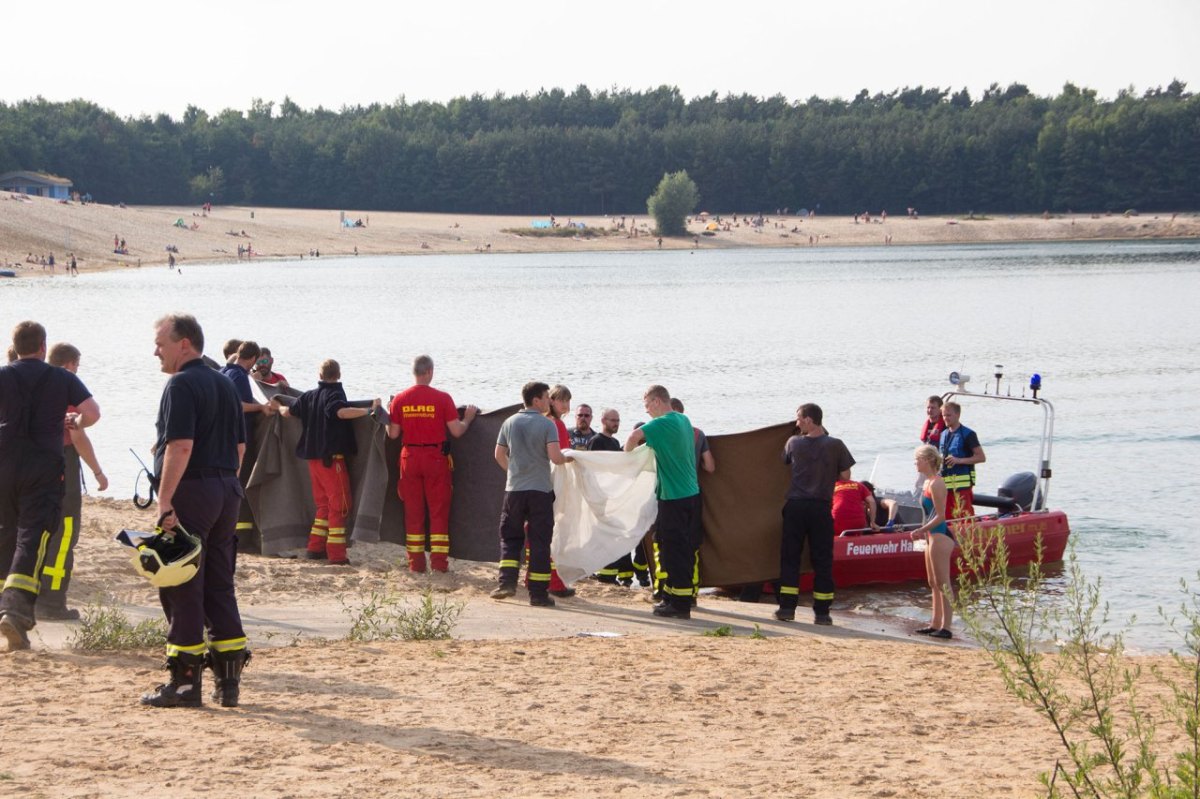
[388, 617]
[1081, 685]
[292, 638]
[757, 635]
[104, 627]
[724, 631]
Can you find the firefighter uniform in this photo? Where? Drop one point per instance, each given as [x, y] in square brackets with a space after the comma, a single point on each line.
[34, 398]
[60, 552]
[325, 442]
[815, 461]
[678, 530]
[422, 412]
[201, 405]
[527, 517]
[248, 535]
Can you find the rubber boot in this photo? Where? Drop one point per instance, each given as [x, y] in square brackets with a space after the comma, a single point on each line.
[439, 563]
[185, 686]
[227, 674]
[416, 562]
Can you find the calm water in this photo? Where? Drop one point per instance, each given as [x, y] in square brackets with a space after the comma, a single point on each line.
[742, 337]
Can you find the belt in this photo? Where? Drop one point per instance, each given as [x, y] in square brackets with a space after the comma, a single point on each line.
[208, 471]
[426, 445]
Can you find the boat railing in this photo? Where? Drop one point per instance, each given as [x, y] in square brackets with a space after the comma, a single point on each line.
[1042, 470]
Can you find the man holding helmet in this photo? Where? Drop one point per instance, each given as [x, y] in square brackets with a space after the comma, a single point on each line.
[200, 443]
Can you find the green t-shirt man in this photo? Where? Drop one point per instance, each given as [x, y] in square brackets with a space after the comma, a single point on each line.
[673, 442]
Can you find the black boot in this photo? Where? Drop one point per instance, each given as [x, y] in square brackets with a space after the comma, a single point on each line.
[184, 689]
[227, 671]
[17, 617]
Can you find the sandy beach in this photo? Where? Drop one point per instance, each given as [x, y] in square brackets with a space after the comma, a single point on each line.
[518, 704]
[39, 226]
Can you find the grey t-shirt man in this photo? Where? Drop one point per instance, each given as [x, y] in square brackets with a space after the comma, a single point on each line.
[816, 464]
[526, 434]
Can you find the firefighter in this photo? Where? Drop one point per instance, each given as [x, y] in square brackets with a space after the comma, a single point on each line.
[327, 438]
[816, 459]
[60, 555]
[669, 434]
[201, 439]
[420, 417]
[34, 398]
[526, 446]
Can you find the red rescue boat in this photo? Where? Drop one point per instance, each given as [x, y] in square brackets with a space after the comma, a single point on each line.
[1022, 515]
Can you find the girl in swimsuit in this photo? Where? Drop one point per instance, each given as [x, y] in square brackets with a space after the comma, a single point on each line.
[940, 542]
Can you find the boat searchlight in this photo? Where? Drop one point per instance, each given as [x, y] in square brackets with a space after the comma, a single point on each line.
[960, 381]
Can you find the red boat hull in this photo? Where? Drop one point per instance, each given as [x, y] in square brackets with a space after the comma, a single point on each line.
[891, 558]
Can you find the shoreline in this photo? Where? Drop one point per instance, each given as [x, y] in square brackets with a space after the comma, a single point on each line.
[38, 227]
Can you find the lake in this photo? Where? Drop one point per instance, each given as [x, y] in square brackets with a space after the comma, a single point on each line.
[742, 337]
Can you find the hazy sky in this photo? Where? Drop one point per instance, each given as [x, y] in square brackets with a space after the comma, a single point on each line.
[148, 57]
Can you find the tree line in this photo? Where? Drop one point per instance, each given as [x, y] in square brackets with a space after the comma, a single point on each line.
[587, 152]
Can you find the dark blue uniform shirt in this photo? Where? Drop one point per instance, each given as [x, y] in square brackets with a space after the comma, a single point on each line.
[324, 435]
[45, 416]
[201, 404]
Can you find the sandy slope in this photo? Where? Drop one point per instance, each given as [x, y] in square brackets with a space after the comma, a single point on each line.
[666, 712]
[41, 226]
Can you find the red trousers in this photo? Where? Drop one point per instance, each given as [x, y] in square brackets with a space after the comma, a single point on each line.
[331, 493]
[960, 504]
[425, 484]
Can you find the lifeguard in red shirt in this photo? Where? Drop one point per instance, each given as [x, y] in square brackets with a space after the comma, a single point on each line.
[853, 506]
[420, 417]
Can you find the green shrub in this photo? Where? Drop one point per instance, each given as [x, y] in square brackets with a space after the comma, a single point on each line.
[388, 617]
[104, 627]
[1081, 684]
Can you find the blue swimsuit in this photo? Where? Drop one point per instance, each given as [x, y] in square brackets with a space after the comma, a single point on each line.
[927, 506]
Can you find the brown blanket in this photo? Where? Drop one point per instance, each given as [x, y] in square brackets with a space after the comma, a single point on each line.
[743, 501]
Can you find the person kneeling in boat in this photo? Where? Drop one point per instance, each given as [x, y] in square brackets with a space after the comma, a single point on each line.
[853, 506]
[940, 542]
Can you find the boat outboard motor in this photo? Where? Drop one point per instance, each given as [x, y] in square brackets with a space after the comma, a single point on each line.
[1014, 495]
[1020, 487]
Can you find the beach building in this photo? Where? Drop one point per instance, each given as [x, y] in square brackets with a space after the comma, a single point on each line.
[37, 184]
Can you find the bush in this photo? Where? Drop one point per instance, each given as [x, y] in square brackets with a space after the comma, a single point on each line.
[103, 627]
[1082, 685]
[387, 617]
